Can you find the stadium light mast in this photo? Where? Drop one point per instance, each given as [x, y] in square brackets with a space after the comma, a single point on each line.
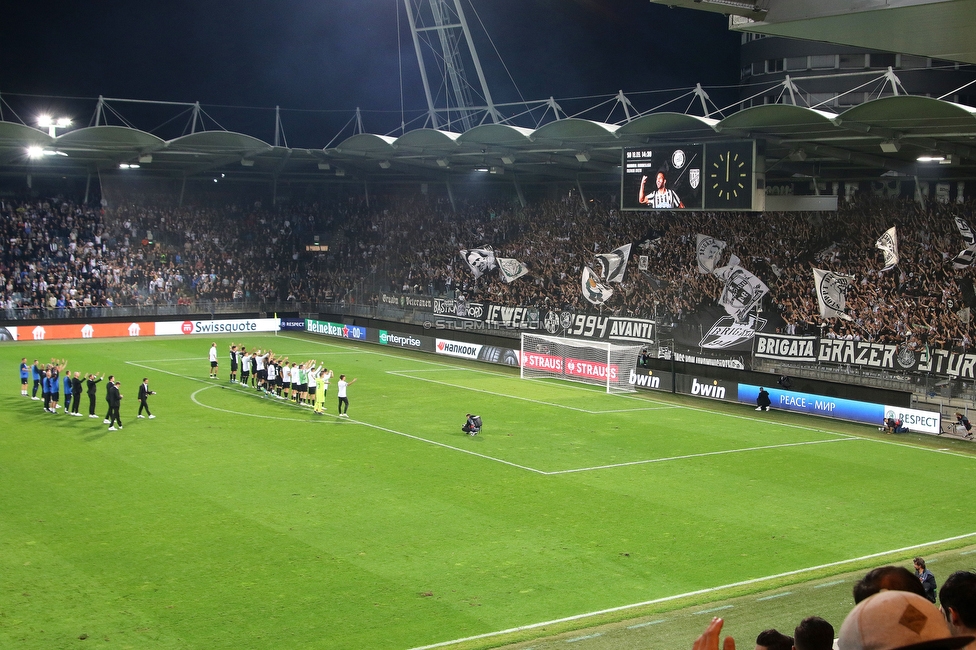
[442, 40]
[52, 124]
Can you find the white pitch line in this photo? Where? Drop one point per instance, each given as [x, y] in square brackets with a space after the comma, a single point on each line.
[698, 592]
[774, 596]
[840, 436]
[401, 373]
[701, 455]
[193, 397]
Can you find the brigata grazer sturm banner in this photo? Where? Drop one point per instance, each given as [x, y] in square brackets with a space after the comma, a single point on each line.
[865, 354]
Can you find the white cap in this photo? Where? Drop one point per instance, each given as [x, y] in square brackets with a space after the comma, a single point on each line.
[897, 620]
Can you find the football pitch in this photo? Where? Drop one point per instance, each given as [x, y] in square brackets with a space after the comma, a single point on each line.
[232, 520]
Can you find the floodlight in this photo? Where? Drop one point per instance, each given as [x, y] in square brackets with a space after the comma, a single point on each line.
[35, 152]
[247, 163]
[890, 146]
[52, 124]
[442, 162]
[385, 164]
[583, 156]
[145, 158]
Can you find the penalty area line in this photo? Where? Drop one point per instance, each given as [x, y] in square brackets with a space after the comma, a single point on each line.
[701, 455]
[698, 592]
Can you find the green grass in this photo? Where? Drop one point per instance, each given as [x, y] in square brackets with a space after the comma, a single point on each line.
[232, 521]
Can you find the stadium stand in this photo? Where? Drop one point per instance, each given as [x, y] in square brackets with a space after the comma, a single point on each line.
[59, 256]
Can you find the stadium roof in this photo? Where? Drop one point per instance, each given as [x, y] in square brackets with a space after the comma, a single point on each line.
[885, 136]
[941, 29]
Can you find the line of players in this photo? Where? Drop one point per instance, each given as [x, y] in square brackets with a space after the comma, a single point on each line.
[305, 384]
[48, 380]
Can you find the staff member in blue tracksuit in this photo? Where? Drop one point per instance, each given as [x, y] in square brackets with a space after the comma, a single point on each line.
[24, 370]
[36, 374]
[67, 393]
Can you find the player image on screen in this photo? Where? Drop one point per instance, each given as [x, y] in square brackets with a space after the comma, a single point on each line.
[662, 178]
[661, 198]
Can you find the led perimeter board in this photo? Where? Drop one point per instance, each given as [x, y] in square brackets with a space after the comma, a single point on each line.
[712, 176]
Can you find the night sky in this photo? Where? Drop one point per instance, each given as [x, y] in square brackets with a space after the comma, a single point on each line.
[319, 60]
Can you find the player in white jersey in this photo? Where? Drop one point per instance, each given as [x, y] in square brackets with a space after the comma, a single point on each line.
[213, 360]
[270, 374]
[343, 399]
[311, 376]
[286, 378]
[326, 375]
[261, 372]
[245, 366]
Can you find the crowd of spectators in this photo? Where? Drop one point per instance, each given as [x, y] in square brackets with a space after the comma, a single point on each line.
[145, 250]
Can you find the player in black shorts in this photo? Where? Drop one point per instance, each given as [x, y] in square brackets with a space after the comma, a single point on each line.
[233, 363]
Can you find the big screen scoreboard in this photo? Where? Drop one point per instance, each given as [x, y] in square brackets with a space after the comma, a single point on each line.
[704, 176]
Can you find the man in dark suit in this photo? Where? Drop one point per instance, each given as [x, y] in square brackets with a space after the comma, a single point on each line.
[144, 394]
[114, 398]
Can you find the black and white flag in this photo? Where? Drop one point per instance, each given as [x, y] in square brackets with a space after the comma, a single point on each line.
[742, 292]
[888, 244]
[967, 255]
[614, 263]
[709, 251]
[510, 268]
[965, 231]
[832, 293]
[595, 291]
[479, 260]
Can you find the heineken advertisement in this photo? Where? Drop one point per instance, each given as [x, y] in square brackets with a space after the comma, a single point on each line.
[338, 330]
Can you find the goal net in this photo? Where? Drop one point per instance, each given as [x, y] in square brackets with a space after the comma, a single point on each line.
[588, 362]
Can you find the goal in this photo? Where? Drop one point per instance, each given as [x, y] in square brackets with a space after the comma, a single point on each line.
[588, 362]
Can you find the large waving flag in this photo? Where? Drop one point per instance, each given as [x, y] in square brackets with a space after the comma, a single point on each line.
[510, 268]
[832, 293]
[594, 291]
[479, 260]
[614, 263]
[709, 251]
[967, 255]
[888, 244]
[741, 293]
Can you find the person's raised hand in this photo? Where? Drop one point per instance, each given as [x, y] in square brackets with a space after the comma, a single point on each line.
[710, 637]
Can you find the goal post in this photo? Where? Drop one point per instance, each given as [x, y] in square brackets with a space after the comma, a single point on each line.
[589, 362]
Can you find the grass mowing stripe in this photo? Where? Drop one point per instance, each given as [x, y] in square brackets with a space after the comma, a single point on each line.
[844, 437]
[421, 546]
[400, 373]
[698, 592]
[373, 426]
[517, 465]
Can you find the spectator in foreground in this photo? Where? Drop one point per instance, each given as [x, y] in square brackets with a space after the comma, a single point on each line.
[958, 600]
[813, 633]
[773, 640]
[897, 620]
[890, 578]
